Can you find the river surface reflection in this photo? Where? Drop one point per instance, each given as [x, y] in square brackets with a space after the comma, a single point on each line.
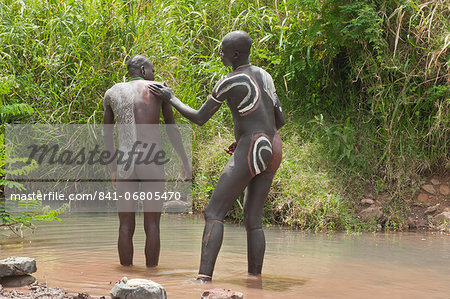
[79, 254]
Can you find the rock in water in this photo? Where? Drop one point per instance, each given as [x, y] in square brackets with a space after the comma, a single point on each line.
[176, 206]
[17, 266]
[137, 289]
[17, 281]
[222, 294]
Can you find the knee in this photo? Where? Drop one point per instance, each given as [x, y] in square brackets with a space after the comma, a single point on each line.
[151, 228]
[126, 228]
[210, 214]
[252, 223]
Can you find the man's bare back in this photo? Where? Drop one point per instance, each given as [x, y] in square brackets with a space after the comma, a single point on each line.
[145, 108]
[251, 97]
[132, 106]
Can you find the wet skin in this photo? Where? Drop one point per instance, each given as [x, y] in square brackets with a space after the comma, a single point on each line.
[257, 116]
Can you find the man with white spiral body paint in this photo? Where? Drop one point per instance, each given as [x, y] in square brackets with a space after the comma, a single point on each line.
[257, 115]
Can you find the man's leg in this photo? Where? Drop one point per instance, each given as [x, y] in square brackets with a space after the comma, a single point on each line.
[230, 185]
[254, 200]
[150, 191]
[125, 243]
[152, 241]
[152, 217]
[127, 222]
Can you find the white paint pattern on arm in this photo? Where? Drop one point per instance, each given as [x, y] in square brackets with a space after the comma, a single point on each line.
[268, 86]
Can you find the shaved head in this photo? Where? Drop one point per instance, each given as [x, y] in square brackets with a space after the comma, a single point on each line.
[238, 41]
[236, 47]
[140, 66]
[136, 61]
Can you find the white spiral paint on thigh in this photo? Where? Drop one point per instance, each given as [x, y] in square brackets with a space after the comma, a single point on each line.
[257, 153]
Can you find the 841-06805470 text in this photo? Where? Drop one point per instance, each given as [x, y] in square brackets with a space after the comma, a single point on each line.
[97, 195]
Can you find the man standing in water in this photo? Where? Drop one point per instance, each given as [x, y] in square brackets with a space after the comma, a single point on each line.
[135, 109]
[257, 116]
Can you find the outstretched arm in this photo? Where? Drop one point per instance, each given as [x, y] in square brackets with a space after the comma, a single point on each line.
[175, 138]
[198, 117]
[269, 87]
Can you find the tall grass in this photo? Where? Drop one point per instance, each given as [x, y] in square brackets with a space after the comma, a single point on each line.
[364, 83]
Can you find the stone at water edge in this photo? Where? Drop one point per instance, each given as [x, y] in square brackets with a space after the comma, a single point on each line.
[371, 213]
[137, 289]
[221, 294]
[431, 210]
[176, 206]
[17, 281]
[442, 217]
[17, 266]
[84, 296]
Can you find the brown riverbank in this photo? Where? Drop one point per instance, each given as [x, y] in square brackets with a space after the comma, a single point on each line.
[41, 291]
[427, 209]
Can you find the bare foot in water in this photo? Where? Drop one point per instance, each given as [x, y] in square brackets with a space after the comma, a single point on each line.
[254, 281]
[204, 278]
[152, 265]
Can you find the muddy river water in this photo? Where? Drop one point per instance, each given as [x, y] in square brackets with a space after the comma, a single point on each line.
[80, 254]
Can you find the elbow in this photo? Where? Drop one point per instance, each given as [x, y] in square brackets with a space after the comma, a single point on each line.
[199, 122]
[197, 118]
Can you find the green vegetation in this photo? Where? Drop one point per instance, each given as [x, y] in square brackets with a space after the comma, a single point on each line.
[26, 213]
[364, 85]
